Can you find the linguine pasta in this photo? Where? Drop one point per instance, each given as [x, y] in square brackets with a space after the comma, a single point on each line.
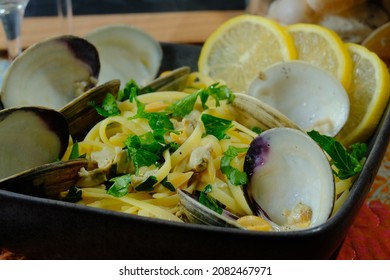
[192, 165]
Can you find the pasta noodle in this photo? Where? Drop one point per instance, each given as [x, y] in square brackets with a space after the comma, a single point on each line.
[195, 164]
[182, 168]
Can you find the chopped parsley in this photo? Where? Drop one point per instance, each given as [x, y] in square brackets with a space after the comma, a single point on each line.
[143, 150]
[108, 108]
[209, 201]
[216, 126]
[168, 184]
[347, 163]
[121, 185]
[147, 185]
[217, 92]
[74, 195]
[131, 89]
[74, 153]
[235, 176]
[185, 105]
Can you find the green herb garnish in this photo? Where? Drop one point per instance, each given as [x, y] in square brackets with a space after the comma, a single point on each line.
[217, 92]
[209, 201]
[121, 185]
[235, 176]
[185, 105]
[216, 126]
[147, 185]
[168, 184]
[347, 164]
[108, 108]
[74, 195]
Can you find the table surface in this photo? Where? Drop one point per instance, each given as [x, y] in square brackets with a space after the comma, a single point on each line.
[368, 238]
[176, 27]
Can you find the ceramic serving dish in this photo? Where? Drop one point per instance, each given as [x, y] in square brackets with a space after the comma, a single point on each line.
[40, 228]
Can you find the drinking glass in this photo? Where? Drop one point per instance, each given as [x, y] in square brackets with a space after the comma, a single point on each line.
[11, 14]
[65, 13]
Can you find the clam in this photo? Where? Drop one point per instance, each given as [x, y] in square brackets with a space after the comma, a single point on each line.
[291, 182]
[34, 137]
[306, 94]
[79, 113]
[81, 116]
[47, 180]
[51, 73]
[253, 112]
[197, 213]
[30, 136]
[126, 53]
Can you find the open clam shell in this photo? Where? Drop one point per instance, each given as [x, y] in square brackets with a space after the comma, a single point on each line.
[29, 137]
[81, 116]
[306, 94]
[291, 182]
[252, 112]
[290, 179]
[126, 53]
[47, 180]
[79, 113]
[197, 213]
[51, 73]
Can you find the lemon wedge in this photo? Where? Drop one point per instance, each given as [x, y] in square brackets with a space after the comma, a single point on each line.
[368, 94]
[323, 48]
[242, 47]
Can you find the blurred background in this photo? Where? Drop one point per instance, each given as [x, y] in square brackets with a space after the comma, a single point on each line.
[85, 7]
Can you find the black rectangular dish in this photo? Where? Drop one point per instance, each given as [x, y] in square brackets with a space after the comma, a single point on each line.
[40, 228]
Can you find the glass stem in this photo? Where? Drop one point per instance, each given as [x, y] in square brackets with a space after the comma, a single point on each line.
[65, 13]
[12, 24]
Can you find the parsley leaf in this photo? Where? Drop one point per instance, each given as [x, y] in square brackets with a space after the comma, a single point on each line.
[216, 126]
[121, 185]
[74, 153]
[217, 92]
[141, 157]
[209, 201]
[131, 89]
[235, 176]
[147, 185]
[109, 106]
[168, 184]
[347, 164]
[73, 195]
[184, 106]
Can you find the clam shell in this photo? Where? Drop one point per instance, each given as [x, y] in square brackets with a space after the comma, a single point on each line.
[47, 180]
[252, 112]
[29, 137]
[126, 52]
[79, 113]
[51, 73]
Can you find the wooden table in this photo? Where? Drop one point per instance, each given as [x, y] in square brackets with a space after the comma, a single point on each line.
[194, 28]
[175, 27]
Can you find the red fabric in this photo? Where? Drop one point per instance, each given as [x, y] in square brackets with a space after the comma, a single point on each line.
[369, 236]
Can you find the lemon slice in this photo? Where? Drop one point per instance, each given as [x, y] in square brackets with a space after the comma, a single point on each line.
[324, 48]
[368, 94]
[379, 42]
[243, 46]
